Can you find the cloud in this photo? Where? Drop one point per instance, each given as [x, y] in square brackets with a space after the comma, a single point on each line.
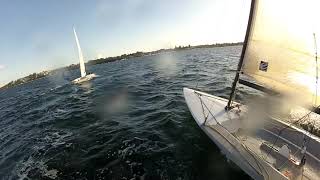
[2, 66]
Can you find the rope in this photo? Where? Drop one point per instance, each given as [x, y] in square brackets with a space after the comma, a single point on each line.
[205, 116]
[245, 147]
[287, 160]
[199, 96]
[252, 155]
[305, 143]
[281, 130]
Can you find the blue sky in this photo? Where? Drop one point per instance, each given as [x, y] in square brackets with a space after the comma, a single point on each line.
[37, 35]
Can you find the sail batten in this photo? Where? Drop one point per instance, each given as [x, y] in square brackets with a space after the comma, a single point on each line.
[280, 52]
[81, 59]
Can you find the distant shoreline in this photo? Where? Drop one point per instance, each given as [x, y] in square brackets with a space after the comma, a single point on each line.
[42, 74]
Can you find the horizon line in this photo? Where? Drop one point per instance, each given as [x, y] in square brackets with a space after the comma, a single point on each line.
[175, 47]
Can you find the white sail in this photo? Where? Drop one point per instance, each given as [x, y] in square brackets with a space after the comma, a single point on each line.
[281, 48]
[82, 66]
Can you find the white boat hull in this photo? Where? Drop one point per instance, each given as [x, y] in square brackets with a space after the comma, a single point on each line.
[224, 127]
[84, 79]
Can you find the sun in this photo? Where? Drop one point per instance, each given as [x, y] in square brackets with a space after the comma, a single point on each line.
[100, 55]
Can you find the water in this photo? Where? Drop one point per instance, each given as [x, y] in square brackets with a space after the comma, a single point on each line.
[130, 122]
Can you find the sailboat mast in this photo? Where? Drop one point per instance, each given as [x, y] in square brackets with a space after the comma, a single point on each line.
[245, 43]
[82, 66]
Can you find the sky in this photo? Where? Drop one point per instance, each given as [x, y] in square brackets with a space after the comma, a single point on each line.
[37, 35]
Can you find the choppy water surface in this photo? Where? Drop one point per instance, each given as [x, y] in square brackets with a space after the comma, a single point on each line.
[130, 122]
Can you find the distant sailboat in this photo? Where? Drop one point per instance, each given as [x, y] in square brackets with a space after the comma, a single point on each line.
[84, 76]
[279, 56]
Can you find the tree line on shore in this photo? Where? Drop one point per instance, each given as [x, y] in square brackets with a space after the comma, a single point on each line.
[42, 74]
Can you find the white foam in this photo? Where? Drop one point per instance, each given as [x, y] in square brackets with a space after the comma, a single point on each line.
[29, 165]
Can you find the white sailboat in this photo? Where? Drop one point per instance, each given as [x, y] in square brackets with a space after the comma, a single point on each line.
[279, 56]
[84, 76]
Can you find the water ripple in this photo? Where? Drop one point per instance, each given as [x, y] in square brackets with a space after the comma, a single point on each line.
[129, 123]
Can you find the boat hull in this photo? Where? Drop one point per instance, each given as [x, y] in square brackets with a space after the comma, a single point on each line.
[84, 79]
[224, 127]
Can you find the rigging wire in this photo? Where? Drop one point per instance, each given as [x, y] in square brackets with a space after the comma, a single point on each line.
[245, 147]
[287, 126]
[316, 58]
[305, 143]
[287, 160]
[316, 93]
[317, 78]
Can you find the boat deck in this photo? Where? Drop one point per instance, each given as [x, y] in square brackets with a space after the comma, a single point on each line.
[269, 150]
[266, 145]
